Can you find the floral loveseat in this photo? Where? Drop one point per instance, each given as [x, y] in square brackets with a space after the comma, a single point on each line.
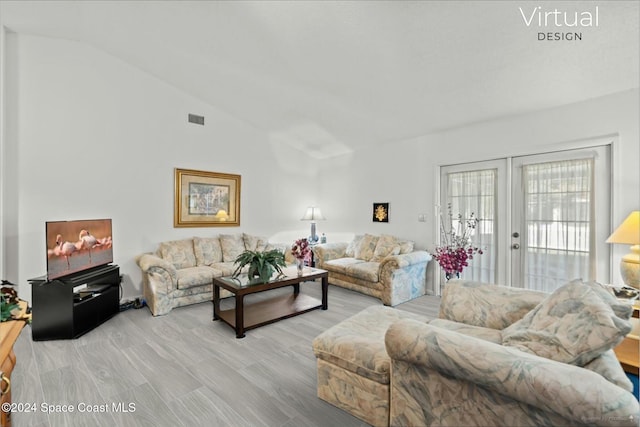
[381, 266]
[181, 272]
[496, 356]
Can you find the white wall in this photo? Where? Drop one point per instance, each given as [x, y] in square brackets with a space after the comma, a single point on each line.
[3, 132]
[97, 138]
[394, 173]
[88, 136]
[404, 173]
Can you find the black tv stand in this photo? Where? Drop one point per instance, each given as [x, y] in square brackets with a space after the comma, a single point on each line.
[73, 305]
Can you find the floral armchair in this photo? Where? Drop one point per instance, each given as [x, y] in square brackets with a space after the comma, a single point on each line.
[481, 364]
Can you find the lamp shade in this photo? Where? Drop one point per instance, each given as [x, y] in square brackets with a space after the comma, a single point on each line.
[628, 232]
[313, 213]
[222, 215]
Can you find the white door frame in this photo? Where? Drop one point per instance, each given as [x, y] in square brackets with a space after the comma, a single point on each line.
[504, 269]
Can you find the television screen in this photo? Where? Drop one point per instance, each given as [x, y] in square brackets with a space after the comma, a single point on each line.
[74, 246]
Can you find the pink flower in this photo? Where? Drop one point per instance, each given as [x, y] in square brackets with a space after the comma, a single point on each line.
[300, 249]
[456, 249]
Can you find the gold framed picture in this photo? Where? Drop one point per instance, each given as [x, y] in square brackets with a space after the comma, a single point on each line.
[206, 199]
[381, 212]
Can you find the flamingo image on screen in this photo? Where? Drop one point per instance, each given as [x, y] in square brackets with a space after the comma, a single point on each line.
[74, 246]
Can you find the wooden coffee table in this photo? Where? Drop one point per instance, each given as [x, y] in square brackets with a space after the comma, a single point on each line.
[244, 317]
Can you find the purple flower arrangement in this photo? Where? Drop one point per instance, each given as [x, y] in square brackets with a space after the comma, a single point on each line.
[456, 249]
[300, 249]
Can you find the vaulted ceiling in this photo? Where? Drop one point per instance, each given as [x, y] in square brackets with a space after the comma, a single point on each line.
[330, 77]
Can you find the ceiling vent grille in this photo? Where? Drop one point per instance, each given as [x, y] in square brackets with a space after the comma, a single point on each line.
[199, 120]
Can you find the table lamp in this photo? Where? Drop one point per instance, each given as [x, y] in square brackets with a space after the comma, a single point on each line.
[313, 214]
[629, 233]
[222, 215]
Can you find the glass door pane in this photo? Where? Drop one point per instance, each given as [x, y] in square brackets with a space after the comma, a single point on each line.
[473, 190]
[554, 218]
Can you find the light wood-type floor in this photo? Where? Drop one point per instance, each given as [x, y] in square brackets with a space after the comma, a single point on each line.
[184, 369]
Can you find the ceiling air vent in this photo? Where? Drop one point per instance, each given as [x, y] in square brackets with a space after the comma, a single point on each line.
[199, 120]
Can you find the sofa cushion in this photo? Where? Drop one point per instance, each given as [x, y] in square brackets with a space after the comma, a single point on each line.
[486, 334]
[366, 247]
[386, 245]
[340, 265]
[487, 305]
[350, 252]
[207, 250]
[357, 343]
[196, 276]
[179, 253]
[227, 268]
[364, 271]
[232, 246]
[573, 325]
[406, 246]
[254, 243]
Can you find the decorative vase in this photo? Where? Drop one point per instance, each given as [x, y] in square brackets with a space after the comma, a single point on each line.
[450, 276]
[300, 265]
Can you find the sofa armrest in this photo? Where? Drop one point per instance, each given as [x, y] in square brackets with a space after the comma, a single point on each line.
[328, 251]
[159, 281]
[149, 263]
[423, 353]
[405, 260]
[403, 277]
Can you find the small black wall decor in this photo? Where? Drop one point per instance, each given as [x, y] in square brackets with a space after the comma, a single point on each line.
[381, 212]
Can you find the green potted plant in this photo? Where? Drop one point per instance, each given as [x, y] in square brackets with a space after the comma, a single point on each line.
[261, 264]
[8, 303]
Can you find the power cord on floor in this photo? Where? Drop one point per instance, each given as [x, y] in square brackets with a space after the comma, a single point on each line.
[137, 303]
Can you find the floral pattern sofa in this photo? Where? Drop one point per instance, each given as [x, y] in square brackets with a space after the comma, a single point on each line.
[383, 266]
[181, 272]
[496, 356]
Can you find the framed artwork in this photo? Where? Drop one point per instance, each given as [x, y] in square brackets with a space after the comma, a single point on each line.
[206, 199]
[381, 212]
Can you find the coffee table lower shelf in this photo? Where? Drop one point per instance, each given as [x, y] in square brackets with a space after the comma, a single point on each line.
[270, 310]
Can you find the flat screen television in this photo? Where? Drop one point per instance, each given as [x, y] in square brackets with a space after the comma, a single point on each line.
[74, 246]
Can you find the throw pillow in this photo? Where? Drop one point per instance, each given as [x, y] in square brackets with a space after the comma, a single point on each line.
[232, 246]
[386, 245]
[351, 248]
[207, 250]
[282, 247]
[621, 309]
[179, 253]
[364, 250]
[406, 246]
[573, 325]
[254, 243]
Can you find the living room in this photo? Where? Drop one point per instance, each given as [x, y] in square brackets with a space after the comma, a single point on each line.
[338, 105]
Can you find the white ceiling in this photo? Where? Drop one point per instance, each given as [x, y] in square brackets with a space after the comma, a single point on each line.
[329, 77]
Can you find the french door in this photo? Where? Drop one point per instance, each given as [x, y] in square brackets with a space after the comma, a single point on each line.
[544, 218]
[477, 189]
